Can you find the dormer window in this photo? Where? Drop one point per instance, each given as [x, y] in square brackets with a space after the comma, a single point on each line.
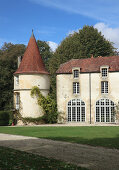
[76, 73]
[104, 71]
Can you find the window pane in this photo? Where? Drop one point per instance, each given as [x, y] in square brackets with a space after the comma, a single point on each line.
[78, 102]
[73, 102]
[75, 87]
[69, 114]
[104, 72]
[107, 115]
[102, 115]
[104, 87]
[69, 103]
[76, 73]
[73, 113]
[76, 111]
[105, 110]
[78, 114]
[97, 114]
[83, 114]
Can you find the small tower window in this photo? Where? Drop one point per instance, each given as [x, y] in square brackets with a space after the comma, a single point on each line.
[17, 80]
[17, 101]
[76, 73]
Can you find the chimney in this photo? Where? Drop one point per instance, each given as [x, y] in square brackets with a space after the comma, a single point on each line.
[19, 60]
[91, 55]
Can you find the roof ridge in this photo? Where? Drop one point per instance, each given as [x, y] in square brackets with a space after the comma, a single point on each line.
[90, 64]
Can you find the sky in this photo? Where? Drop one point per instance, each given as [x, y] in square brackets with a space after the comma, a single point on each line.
[53, 20]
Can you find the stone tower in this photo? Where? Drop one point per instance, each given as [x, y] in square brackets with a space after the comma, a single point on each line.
[31, 72]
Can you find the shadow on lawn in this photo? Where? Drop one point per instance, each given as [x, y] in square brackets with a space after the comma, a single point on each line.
[104, 142]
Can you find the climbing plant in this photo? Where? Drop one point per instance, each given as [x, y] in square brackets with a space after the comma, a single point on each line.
[48, 104]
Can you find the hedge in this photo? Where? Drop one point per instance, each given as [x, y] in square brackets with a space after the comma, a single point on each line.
[5, 118]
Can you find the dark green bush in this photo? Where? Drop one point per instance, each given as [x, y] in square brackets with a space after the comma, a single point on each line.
[32, 120]
[4, 118]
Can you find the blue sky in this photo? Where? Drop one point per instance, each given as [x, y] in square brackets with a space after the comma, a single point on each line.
[53, 20]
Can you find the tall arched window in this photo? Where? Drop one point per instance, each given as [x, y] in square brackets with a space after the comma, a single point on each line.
[105, 111]
[76, 110]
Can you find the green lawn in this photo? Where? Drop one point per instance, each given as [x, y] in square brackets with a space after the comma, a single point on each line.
[12, 159]
[96, 136]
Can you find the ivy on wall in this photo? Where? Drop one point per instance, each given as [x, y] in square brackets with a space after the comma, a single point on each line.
[48, 105]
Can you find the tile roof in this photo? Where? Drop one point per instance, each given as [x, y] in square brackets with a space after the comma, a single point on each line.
[32, 61]
[90, 65]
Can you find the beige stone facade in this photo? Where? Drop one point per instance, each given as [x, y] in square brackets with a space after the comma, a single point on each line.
[28, 106]
[89, 93]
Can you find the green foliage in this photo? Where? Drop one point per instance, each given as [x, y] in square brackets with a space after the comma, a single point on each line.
[8, 65]
[37, 120]
[4, 118]
[44, 51]
[48, 104]
[81, 44]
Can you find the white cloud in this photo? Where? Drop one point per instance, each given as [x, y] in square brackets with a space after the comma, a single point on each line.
[52, 45]
[111, 34]
[72, 31]
[103, 10]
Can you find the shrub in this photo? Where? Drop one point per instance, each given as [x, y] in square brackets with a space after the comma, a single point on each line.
[32, 120]
[4, 118]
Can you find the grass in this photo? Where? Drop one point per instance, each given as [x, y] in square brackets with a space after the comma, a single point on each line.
[96, 136]
[12, 159]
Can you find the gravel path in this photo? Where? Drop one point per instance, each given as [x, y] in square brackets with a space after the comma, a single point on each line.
[94, 158]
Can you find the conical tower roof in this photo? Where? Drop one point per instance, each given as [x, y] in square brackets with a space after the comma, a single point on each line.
[32, 61]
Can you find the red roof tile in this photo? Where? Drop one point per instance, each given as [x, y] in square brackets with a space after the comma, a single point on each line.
[90, 64]
[32, 61]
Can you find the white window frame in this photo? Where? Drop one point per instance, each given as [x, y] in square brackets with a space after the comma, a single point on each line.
[76, 73]
[104, 71]
[108, 107]
[76, 87]
[104, 87]
[76, 111]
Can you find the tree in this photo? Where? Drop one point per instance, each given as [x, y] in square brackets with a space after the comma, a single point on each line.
[81, 44]
[8, 65]
[44, 51]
